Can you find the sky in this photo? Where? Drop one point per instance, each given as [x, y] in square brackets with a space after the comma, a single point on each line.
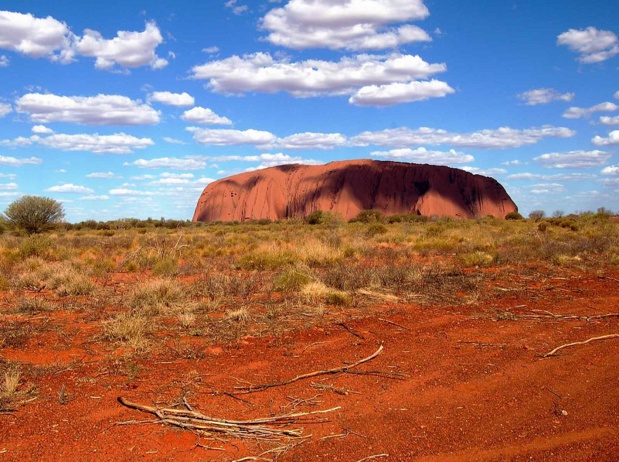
[129, 108]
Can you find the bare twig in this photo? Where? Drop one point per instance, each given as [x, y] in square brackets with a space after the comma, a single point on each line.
[336, 370]
[356, 334]
[394, 323]
[593, 339]
[376, 456]
[262, 429]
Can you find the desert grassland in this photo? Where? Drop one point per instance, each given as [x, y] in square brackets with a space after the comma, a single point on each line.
[134, 292]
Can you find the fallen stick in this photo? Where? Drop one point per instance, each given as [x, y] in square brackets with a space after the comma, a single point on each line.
[593, 339]
[260, 429]
[352, 332]
[393, 323]
[336, 370]
[376, 456]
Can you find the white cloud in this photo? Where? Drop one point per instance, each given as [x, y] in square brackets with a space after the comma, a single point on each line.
[558, 177]
[4, 61]
[260, 72]
[20, 141]
[174, 163]
[8, 186]
[204, 116]
[34, 37]
[167, 139]
[42, 130]
[172, 99]
[612, 140]
[544, 96]
[48, 37]
[211, 50]
[70, 188]
[268, 160]
[15, 162]
[500, 138]
[484, 171]
[223, 137]
[5, 109]
[310, 140]
[611, 170]
[130, 192]
[142, 177]
[345, 24]
[102, 175]
[87, 110]
[396, 93]
[616, 95]
[593, 45]
[573, 159]
[547, 188]
[127, 49]
[119, 143]
[423, 155]
[610, 121]
[513, 162]
[10, 176]
[580, 112]
[94, 198]
[236, 9]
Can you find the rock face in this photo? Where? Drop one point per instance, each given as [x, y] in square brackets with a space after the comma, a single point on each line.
[345, 188]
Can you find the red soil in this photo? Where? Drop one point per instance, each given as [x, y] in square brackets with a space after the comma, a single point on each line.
[476, 386]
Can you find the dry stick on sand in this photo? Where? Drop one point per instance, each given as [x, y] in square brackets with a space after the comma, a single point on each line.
[593, 339]
[336, 370]
[264, 429]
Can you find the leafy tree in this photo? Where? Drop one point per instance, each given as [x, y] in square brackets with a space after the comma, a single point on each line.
[34, 214]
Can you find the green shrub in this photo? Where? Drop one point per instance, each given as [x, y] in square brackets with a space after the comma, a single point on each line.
[369, 216]
[34, 214]
[514, 216]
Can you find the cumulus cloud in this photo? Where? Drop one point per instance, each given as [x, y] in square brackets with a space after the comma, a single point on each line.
[87, 110]
[173, 163]
[423, 155]
[172, 99]
[130, 192]
[5, 109]
[345, 24]
[224, 137]
[127, 49]
[396, 93]
[484, 171]
[35, 37]
[48, 37]
[167, 139]
[118, 143]
[611, 170]
[558, 177]
[8, 186]
[18, 162]
[102, 175]
[260, 72]
[4, 61]
[235, 7]
[500, 138]
[70, 188]
[582, 112]
[606, 120]
[611, 140]
[547, 188]
[310, 140]
[42, 130]
[544, 96]
[593, 45]
[92, 197]
[573, 159]
[204, 116]
[268, 160]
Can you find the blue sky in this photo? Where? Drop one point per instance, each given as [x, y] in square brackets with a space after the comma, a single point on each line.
[130, 108]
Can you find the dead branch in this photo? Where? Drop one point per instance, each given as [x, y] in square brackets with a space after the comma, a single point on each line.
[262, 429]
[336, 370]
[593, 339]
[548, 314]
[352, 332]
[376, 456]
[394, 323]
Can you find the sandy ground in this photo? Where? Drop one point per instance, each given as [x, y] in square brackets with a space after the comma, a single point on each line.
[454, 383]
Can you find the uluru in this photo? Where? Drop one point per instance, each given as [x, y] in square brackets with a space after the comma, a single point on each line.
[345, 188]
